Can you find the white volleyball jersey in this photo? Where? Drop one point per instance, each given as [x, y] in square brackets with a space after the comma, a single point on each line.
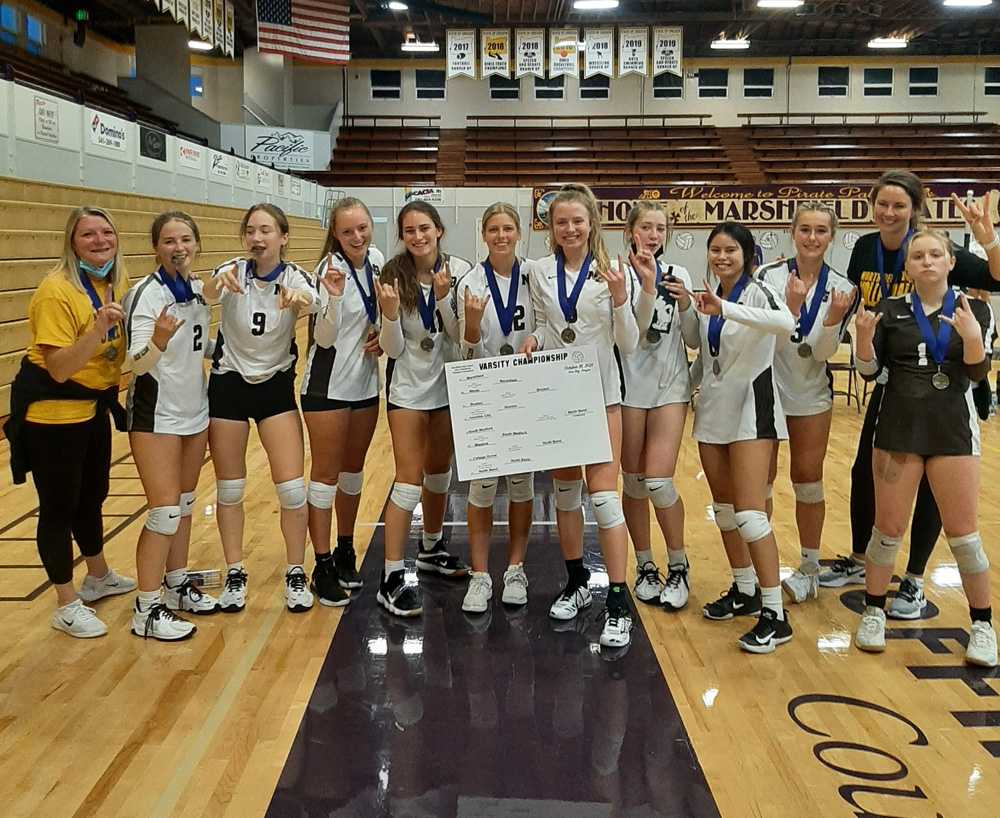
[337, 367]
[491, 334]
[800, 369]
[740, 401]
[172, 397]
[612, 331]
[256, 337]
[414, 377]
[656, 373]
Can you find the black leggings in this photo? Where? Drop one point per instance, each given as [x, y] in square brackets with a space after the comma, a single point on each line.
[926, 525]
[70, 463]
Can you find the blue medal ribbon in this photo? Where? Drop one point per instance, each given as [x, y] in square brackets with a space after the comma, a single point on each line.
[95, 300]
[427, 307]
[368, 299]
[810, 312]
[505, 312]
[271, 276]
[568, 302]
[180, 287]
[937, 345]
[716, 322]
[886, 286]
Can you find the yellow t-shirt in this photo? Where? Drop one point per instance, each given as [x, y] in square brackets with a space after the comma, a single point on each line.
[58, 315]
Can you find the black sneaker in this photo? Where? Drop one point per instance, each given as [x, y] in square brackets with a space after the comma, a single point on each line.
[347, 572]
[733, 603]
[768, 633]
[397, 597]
[326, 586]
[440, 561]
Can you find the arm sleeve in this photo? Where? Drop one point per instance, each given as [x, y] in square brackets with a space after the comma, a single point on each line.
[626, 331]
[776, 318]
[328, 322]
[390, 337]
[691, 327]
[142, 352]
[476, 350]
[645, 303]
[542, 329]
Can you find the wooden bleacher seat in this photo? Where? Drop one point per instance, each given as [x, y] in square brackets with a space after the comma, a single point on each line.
[383, 151]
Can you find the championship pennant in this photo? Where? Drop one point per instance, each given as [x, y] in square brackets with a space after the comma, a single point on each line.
[181, 12]
[194, 17]
[461, 53]
[495, 57]
[598, 56]
[668, 51]
[207, 21]
[220, 24]
[562, 52]
[632, 47]
[230, 29]
[529, 52]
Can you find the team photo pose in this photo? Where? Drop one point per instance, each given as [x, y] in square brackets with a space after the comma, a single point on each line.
[876, 268]
[418, 334]
[822, 300]
[166, 324]
[253, 378]
[931, 341]
[495, 318]
[59, 428]
[738, 420]
[579, 299]
[657, 392]
[340, 393]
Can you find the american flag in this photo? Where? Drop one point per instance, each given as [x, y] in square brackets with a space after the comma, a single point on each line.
[314, 29]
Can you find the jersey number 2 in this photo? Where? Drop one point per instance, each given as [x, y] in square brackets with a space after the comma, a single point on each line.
[258, 320]
[196, 331]
[518, 324]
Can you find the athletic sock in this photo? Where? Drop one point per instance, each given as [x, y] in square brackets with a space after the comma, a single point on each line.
[391, 566]
[745, 579]
[617, 598]
[147, 599]
[676, 559]
[810, 556]
[430, 540]
[291, 568]
[175, 578]
[324, 559]
[771, 598]
[345, 542]
[577, 574]
[874, 601]
[642, 557]
[235, 566]
[981, 614]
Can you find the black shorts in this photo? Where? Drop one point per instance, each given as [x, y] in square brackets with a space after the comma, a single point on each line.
[312, 403]
[390, 406]
[232, 398]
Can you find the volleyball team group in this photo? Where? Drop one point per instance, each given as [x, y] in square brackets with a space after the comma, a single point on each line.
[764, 336]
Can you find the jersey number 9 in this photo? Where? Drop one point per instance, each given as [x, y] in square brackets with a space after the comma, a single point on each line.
[257, 320]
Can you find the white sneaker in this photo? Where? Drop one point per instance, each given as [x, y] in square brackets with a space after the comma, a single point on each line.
[78, 620]
[477, 598]
[298, 597]
[515, 585]
[803, 584]
[189, 597]
[234, 595]
[648, 582]
[870, 635]
[617, 629]
[568, 605]
[909, 602]
[159, 622]
[982, 649]
[94, 589]
[674, 595]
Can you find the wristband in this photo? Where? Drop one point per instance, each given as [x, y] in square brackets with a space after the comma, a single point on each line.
[993, 244]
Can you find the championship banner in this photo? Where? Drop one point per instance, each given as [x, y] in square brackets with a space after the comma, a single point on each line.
[461, 53]
[230, 29]
[755, 206]
[598, 56]
[195, 17]
[668, 51]
[181, 11]
[529, 52]
[207, 21]
[562, 52]
[219, 15]
[495, 56]
[632, 48]
[167, 7]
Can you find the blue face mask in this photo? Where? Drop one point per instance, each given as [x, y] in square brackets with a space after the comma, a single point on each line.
[97, 272]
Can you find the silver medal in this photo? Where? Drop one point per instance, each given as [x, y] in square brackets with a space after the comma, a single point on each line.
[805, 350]
[111, 352]
[652, 336]
[506, 349]
[940, 380]
[427, 343]
[568, 335]
[716, 367]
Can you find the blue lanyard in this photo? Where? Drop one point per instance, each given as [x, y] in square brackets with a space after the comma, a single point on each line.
[936, 345]
[810, 312]
[271, 276]
[180, 287]
[95, 300]
[368, 299]
[886, 286]
[716, 322]
[568, 302]
[505, 312]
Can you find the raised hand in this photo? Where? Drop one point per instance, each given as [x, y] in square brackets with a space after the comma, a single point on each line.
[680, 293]
[840, 305]
[291, 298]
[708, 303]
[964, 322]
[615, 279]
[864, 326]
[334, 279]
[107, 317]
[442, 282]
[978, 216]
[388, 299]
[165, 328]
[795, 294]
[474, 309]
[644, 265]
[228, 279]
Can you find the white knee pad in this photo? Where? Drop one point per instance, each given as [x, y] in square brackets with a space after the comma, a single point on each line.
[808, 492]
[725, 516]
[321, 495]
[163, 520]
[753, 525]
[662, 491]
[483, 492]
[569, 494]
[405, 495]
[969, 554]
[291, 493]
[882, 550]
[438, 483]
[634, 485]
[350, 482]
[607, 509]
[230, 492]
[187, 503]
[521, 487]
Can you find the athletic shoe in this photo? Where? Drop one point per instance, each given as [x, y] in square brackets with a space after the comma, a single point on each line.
[648, 582]
[440, 561]
[78, 620]
[298, 597]
[347, 573]
[397, 597]
[909, 602]
[477, 598]
[674, 595]
[767, 634]
[617, 629]
[570, 602]
[189, 597]
[844, 571]
[733, 603]
[802, 584]
[160, 623]
[982, 647]
[870, 635]
[233, 598]
[94, 589]
[326, 585]
[515, 585]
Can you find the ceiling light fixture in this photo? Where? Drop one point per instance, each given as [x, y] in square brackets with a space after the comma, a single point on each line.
[779, 4]
[198, 45]
[739, 44]
[395, 6]
[888, 42]
[968, 4]
[411, 43]
[594, 5]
